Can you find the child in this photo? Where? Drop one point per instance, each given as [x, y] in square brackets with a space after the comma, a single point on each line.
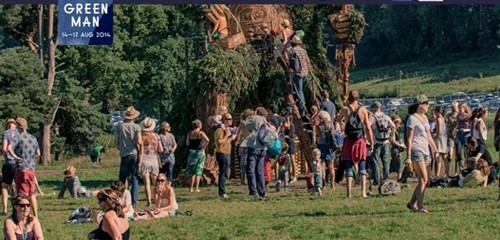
[72, 183]
[317, 171]
[284, 165]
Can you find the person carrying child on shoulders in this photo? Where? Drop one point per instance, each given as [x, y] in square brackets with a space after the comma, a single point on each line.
[283, 165]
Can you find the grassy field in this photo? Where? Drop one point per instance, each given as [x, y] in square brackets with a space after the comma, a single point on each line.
[473, 75]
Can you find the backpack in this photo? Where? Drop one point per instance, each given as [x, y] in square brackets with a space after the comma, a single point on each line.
[354, 128]
[293, 61]
[334, 139]
[389, 187]
[382, 130]
[275, 147]
[267, 134]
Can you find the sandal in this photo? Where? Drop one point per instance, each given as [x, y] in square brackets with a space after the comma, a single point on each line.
[412, 208]
[423, 210]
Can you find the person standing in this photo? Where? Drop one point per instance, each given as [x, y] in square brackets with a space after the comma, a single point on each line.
[397, 146]
[451, 131]
[167, 156]
[328, 105]
[197, 142]
[241, 141]
[440, 140]
[223, 137]
[354, 150]
[129, 142]
[419, 141]
[24, 149]
[256, 154]
[382, 127]
[463, 132]
[9, 165]
[149, 157]
[299, 64]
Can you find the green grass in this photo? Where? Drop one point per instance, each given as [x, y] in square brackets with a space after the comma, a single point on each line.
[432, 78]
[455, 213]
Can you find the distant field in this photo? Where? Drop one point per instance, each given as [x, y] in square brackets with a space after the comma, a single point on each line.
[469, 75]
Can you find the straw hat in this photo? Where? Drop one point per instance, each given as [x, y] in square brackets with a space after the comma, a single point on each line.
[131, 113]
[285, 23]
[70, 170]
[10, 121]
[148, 125]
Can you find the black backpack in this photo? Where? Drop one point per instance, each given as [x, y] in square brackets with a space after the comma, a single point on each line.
[354, 128]
[293, 61]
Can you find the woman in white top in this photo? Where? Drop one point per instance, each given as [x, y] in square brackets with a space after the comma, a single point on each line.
[419, 140]
[479, 129]
[149, 157]
[440, 139]
[128, 209]
[165, 202]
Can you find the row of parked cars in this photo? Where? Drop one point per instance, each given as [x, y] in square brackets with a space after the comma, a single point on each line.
[491, 100]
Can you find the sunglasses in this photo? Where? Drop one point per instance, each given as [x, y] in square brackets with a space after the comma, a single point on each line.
[228, 119]
[160, 180]
[26, 205]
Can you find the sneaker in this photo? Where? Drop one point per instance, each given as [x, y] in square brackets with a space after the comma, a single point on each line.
[225, 196]
[293, 180]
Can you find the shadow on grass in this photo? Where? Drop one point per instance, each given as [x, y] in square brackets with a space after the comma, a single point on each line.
[89, 184]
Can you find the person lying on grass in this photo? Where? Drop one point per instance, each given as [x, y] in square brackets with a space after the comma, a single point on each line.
[73, 185]
[165, 202]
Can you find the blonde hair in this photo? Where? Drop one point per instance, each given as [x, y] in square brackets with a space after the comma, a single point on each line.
[316, 152]
[70, 171]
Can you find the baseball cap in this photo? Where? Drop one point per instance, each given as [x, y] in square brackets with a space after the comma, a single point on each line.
[422, 98]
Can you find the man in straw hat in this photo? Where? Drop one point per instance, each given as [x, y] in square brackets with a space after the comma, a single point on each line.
[24, 149]
[298, 63]
[9, 165]
[129, 142]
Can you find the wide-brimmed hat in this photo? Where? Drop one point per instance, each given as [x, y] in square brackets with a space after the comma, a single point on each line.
[296, 40]
[422, 98]
[9, 121]
[285, 23]
[148, 125]
[22, 123]
[131, 113]
[70, 170]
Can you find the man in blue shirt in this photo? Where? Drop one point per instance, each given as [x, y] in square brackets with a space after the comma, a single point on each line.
[9, 166]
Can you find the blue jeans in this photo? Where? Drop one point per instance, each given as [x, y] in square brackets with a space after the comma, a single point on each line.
[128, 167]
[255, 172]
[298, 81]
[380, 154]
[223, 160]
[168, 169]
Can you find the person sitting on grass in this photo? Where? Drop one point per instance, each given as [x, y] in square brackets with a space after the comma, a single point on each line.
[21, 224]
[477, 177]
[165, 202]
[128, 209]
[73, 185]
[113, 224]
[282, 167]
[96, 152]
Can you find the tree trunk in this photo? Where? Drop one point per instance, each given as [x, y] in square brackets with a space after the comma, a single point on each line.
[206, 106]
[50, 84]
[40, 35]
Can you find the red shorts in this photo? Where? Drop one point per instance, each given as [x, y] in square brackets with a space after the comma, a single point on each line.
[25, 182]
[354, 149]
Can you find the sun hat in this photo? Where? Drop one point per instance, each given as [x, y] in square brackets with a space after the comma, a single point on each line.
[9, 121]
[131, 113]
[285, 23]
[296, 40]
[148, 125]
[22, 123]
[70, 170]
[419, 99]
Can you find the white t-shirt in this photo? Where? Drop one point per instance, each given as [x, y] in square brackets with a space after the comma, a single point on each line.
[127, 200]
[420, 134]
[475, 132]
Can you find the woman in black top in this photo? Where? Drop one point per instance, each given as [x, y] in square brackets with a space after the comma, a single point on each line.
[113, 224]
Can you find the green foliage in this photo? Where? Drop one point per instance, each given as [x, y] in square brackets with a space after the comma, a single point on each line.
[231, 71]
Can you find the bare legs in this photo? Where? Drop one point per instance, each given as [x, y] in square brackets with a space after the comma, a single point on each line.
[332, 173]
[418, 194]
[5, 197]
[148, 178]
[195, 184]
[442, 156]
[350, 181]
[34, 205]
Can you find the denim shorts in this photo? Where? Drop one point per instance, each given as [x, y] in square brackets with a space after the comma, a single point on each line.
[417, 156]
[349, 168]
